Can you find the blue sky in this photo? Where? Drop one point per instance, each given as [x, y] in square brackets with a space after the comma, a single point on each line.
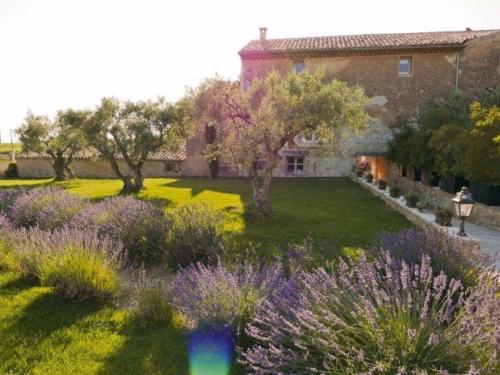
[69, 53]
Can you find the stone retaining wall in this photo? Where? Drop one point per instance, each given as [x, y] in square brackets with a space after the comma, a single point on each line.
[487, 216]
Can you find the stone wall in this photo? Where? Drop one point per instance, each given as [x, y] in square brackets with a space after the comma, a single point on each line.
[480, 64]
[487, 216]
[432, 74]
[195, 164]
[40, 168]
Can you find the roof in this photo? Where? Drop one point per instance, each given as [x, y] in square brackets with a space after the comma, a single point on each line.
[162, 155]
[342, 44]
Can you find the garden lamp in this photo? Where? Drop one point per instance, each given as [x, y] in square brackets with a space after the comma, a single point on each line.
[463, 207]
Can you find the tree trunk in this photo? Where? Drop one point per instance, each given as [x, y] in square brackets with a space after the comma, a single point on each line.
[128, 185]
[59, 168]
[139, 177]
[261, 187]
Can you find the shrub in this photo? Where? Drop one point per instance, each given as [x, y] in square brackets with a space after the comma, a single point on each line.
[456, 257]
[58, 212]
[215, 296]
[359, 172]
[369, 177]
[443, 216]
[7, 198]
[79, 255]
[411, 200]
[76, 273]
[141, 227]
[382, 185]
[384, 317]
[482, 144]
[195, 236]
[395, 192]
[11, 171]
[7, 259]
[151, 299]
[47, 208]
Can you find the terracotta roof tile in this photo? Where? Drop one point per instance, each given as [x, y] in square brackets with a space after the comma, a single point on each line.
[362, 42]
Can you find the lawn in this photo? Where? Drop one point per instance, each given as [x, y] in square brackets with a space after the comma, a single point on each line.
[41, 334]
[333, 212]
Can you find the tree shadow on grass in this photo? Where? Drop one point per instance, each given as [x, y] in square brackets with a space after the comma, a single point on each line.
[15, 285]
[153, 349]
[42, 317]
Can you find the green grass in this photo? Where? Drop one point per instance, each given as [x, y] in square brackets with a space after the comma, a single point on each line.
[5, 148]
[334, 212]
[41, 334]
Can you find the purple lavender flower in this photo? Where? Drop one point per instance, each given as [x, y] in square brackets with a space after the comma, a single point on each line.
[140, 226]
[375, 318]
[456, 257]
[47, 208]
[216, 296]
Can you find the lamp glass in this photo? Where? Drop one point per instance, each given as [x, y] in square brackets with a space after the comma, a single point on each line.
[465, 209]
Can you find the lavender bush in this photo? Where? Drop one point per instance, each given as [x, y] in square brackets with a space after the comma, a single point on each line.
[7, 197]
[34, 247]
[150, 297]
[141, 227]
[215, 296]
[384, 317]
[47, 208]
[458, 258]
[196, 235]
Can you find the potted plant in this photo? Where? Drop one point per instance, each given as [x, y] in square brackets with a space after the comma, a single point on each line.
[443, 216]
[359, 172]
[369, 177]
[452, 184]
[411, 200]
[382, 185]
[395, 192]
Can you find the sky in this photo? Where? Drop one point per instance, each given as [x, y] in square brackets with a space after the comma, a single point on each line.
[56, 54]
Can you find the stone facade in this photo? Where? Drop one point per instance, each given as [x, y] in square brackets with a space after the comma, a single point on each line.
[397, 95]
[479, 65]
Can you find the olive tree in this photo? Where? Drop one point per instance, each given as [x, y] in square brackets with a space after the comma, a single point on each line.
[260, 121]
[131, 131]
[59, 139]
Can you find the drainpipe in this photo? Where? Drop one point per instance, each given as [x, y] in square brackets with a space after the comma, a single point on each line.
[457, 70]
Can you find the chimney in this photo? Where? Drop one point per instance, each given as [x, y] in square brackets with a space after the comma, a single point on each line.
[263, 33]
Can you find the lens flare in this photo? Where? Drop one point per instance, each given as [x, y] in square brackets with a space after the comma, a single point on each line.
[211, 351]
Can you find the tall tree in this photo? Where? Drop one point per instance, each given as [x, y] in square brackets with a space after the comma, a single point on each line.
[59, 139]
[482, 145]
[259, 122]
[132, 131]
[209, 115]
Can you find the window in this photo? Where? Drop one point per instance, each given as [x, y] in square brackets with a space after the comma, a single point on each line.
[299, 66]
[295, 164]
[405, 66]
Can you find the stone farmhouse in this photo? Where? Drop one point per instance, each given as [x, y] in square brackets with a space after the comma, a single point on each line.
[397, 71]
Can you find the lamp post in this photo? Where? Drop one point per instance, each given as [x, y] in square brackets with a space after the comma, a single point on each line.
[463, 207]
